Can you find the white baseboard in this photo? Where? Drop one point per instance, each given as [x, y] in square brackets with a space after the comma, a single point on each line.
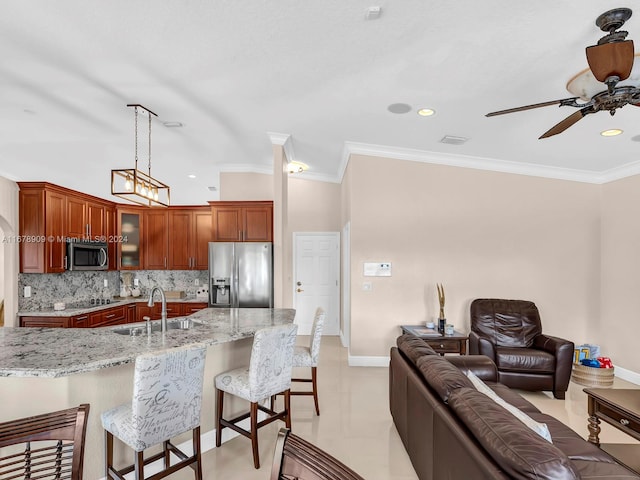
[364, 361]
[628, 375]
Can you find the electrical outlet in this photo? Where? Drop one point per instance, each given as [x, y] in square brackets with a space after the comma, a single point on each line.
[136, 282]
[106, 282]
[196, 282]
[27, 292]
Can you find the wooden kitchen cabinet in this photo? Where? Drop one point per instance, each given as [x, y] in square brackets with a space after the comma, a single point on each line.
[113, 240]
[85, 218]
[59, 322]
[48, 215]
[189, 235]
[189, 308]
[108, 317]
[242, 221]
[156, 239]
[131, 313]
[129, 237]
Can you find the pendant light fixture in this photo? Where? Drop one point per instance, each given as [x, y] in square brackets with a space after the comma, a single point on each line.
[135, 185]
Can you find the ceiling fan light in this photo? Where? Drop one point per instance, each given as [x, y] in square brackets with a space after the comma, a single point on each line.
[611, 59]
[613, 132]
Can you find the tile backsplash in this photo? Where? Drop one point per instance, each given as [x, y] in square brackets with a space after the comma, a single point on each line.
[79, 287]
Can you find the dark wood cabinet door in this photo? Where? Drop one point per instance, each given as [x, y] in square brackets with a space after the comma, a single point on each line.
[189, 308]
[156, 240]
[55, 231]
[131, 313]
[142, 310]
[227, 224]
[80, 321]
[109, 316]
[96, 220]
[32, 254]
[180, 239]
[258, 224]
[77, 227]
[203, 234]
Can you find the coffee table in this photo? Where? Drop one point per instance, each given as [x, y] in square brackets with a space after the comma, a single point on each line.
[456, 343]
[621, 409]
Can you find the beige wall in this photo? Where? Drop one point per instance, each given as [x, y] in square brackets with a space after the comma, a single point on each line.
[10, 265]
[480, 234]
[615, 329]
[246, 186]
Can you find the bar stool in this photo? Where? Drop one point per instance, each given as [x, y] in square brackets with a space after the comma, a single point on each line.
[53, 445]
[167, 399]
[268, 373]
[308, 357]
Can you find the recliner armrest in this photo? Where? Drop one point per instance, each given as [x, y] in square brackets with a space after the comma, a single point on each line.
[481, 365]
[562, 350]
[481, 346]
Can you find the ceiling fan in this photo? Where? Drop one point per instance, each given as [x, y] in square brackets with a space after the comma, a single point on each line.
[610, 62]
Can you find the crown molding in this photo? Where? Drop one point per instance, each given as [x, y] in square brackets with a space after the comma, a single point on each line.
[245, 168]
[480, 163]
[285, 141]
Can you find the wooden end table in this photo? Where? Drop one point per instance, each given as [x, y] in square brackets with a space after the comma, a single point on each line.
[620, 408]
[456, 343]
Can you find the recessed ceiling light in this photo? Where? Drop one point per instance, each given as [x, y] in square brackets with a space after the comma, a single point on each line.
[173, 124]
[426, 112]
[399, 108]
[191, 175]
[611, 133]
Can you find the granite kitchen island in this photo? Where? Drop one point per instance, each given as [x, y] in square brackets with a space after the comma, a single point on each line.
[47, 369]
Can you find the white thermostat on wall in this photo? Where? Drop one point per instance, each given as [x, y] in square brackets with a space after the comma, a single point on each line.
[377, 269]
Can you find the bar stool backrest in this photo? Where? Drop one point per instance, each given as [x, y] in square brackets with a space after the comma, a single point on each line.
[271, 361]
[316, 335]
[167, 393]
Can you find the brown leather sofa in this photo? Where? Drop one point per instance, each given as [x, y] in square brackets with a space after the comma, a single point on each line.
[509, 332]
[452, 431]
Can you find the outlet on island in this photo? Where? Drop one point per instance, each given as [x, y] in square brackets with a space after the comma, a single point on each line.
[106, 282]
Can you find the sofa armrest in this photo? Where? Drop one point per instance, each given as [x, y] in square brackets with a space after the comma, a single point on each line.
[562, 350]
[481, 365]
[481, 346]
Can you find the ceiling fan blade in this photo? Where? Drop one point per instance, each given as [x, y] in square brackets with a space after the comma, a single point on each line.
[566, 123]
[564, 101]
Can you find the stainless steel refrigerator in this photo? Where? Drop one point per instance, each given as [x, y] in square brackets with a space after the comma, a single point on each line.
[241, 274]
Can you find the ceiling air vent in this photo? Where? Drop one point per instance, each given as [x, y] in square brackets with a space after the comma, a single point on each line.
[451, 140]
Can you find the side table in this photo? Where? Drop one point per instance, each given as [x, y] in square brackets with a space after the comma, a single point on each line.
[455, 343]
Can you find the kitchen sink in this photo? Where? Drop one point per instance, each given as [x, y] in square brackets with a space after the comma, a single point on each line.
[172, 324]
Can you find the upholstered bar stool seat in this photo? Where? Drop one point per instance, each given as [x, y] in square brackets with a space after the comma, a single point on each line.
[167, 399]
[307, 356]
[268, 373]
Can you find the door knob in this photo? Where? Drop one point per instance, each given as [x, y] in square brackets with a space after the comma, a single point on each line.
[299, 283]
[299, 290]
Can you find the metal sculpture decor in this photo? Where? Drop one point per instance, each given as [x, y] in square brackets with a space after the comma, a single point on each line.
[441, 318]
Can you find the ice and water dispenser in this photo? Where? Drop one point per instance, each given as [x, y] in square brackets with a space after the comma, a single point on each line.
[220, 291]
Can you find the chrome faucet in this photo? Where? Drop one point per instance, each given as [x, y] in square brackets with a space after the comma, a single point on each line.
[163, 317]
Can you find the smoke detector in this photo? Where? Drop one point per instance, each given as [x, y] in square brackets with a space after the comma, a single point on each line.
[372, 13]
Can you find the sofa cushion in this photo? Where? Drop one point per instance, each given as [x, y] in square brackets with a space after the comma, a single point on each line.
[590, 470]
[442, 376]
[527, 360]
[520, 452]
[572, 445]
[413, 347]
[538, 427]
[508, 323]
[513, 398]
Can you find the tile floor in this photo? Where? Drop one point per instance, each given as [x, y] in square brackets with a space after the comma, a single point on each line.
[355, 425]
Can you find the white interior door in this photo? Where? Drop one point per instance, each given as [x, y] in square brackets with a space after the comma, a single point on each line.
[316, 280]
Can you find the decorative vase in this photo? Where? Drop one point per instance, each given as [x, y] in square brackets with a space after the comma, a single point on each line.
[441, 323]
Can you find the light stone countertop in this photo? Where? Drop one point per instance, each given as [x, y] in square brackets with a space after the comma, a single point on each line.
[71, 311]
[59, 352]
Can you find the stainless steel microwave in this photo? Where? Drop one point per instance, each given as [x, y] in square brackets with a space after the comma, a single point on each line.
[85, 255]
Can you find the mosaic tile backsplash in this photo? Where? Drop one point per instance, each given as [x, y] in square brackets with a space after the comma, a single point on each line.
[79, 287]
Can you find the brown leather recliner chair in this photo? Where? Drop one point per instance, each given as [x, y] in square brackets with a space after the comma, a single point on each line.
[510, 333]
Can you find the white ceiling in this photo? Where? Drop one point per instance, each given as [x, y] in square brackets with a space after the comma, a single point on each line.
[234, 71]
